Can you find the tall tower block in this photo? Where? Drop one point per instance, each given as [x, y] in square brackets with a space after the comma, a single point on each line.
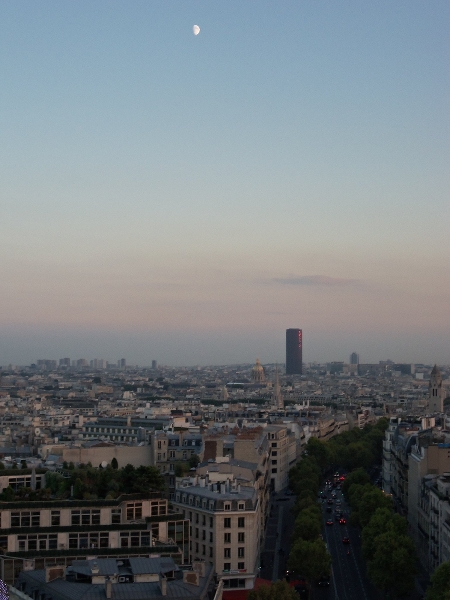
[294, 347]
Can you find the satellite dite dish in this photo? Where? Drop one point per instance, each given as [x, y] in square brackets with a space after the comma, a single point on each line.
[196, 29]
[104, 464]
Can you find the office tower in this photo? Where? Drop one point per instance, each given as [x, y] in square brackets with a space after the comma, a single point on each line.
[122, 363]
[154, 364]
[354, 358]
[293, 351]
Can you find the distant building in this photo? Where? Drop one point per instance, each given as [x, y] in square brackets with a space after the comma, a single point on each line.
[354, 358]
[154, 364]
[436, 391]
[294, 347]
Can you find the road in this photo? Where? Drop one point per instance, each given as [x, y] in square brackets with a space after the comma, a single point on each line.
[349, 580]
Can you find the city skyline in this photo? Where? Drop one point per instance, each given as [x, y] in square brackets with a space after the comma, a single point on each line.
[189, 197]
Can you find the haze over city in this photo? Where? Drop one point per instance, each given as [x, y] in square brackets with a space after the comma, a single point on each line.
[187, 198]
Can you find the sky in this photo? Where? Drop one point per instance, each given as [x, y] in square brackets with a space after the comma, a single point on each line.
[187, 198]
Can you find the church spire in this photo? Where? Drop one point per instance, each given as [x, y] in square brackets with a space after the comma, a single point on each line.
[278, 398]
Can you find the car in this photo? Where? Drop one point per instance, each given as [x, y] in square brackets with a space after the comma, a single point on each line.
[338, 501]
[346, 540]
[329, 522]
[337, 517]
[324, 581]
[333, 495]
[342, 522]
[329, 501]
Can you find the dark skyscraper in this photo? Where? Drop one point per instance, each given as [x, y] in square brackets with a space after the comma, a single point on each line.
[293, 351]
[354, 358]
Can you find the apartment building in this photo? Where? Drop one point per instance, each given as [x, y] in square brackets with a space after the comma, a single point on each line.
[225, 527]
[64, 530]
[278, 438]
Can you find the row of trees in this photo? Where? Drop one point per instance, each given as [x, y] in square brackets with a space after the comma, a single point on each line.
[89, 483]
[388, 550]
[309, 555]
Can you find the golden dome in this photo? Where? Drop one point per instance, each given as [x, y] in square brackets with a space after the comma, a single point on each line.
[258, 372]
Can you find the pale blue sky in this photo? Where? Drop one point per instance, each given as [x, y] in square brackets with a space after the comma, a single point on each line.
[187, 198]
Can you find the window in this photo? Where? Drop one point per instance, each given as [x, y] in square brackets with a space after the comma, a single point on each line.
[116, 515]
[274, 444]
[241, 506]
[227, 538]
[274, 453]
[241, 552]
[196, 532]
[172, 454]
[196, 547]
[55, 517]
[203, 550]
[227, 506]
[241, 566]
[210, 537]
[134, 511]
[227, 522]
[227, 552]
[85, 517]
[241, 522]
[226, 566]
[274, 462]
[211, 523]
[210, 553]
[159, 445]
[241, 537]
[26, 519]
[274, 470]
[38, 542]
[203, 535]
[204, 521]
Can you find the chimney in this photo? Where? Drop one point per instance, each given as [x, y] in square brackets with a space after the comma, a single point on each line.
[108, 588]
[163, 585]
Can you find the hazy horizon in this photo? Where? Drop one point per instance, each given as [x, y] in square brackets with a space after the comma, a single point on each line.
[188, 198]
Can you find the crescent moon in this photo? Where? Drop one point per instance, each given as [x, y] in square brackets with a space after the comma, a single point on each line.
[196, 29]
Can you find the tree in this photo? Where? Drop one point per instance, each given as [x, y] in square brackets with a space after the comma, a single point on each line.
[310, 558]
[280, 590]
[194, 460]
[307, 526]
[114, 463]
[370, 501]
[319, 450]
[359, 476]
[381, 521]
[393, 566]
[440, 583]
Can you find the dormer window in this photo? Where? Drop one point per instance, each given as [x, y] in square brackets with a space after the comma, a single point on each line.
[227, 506]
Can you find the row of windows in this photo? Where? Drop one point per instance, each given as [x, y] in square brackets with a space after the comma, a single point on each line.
[26, 518]
[38, 542]
[89, 540]
[227, 538]
[227, 522]
[227, 552]
[227, 567]
[135, 539]
[84, 517]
